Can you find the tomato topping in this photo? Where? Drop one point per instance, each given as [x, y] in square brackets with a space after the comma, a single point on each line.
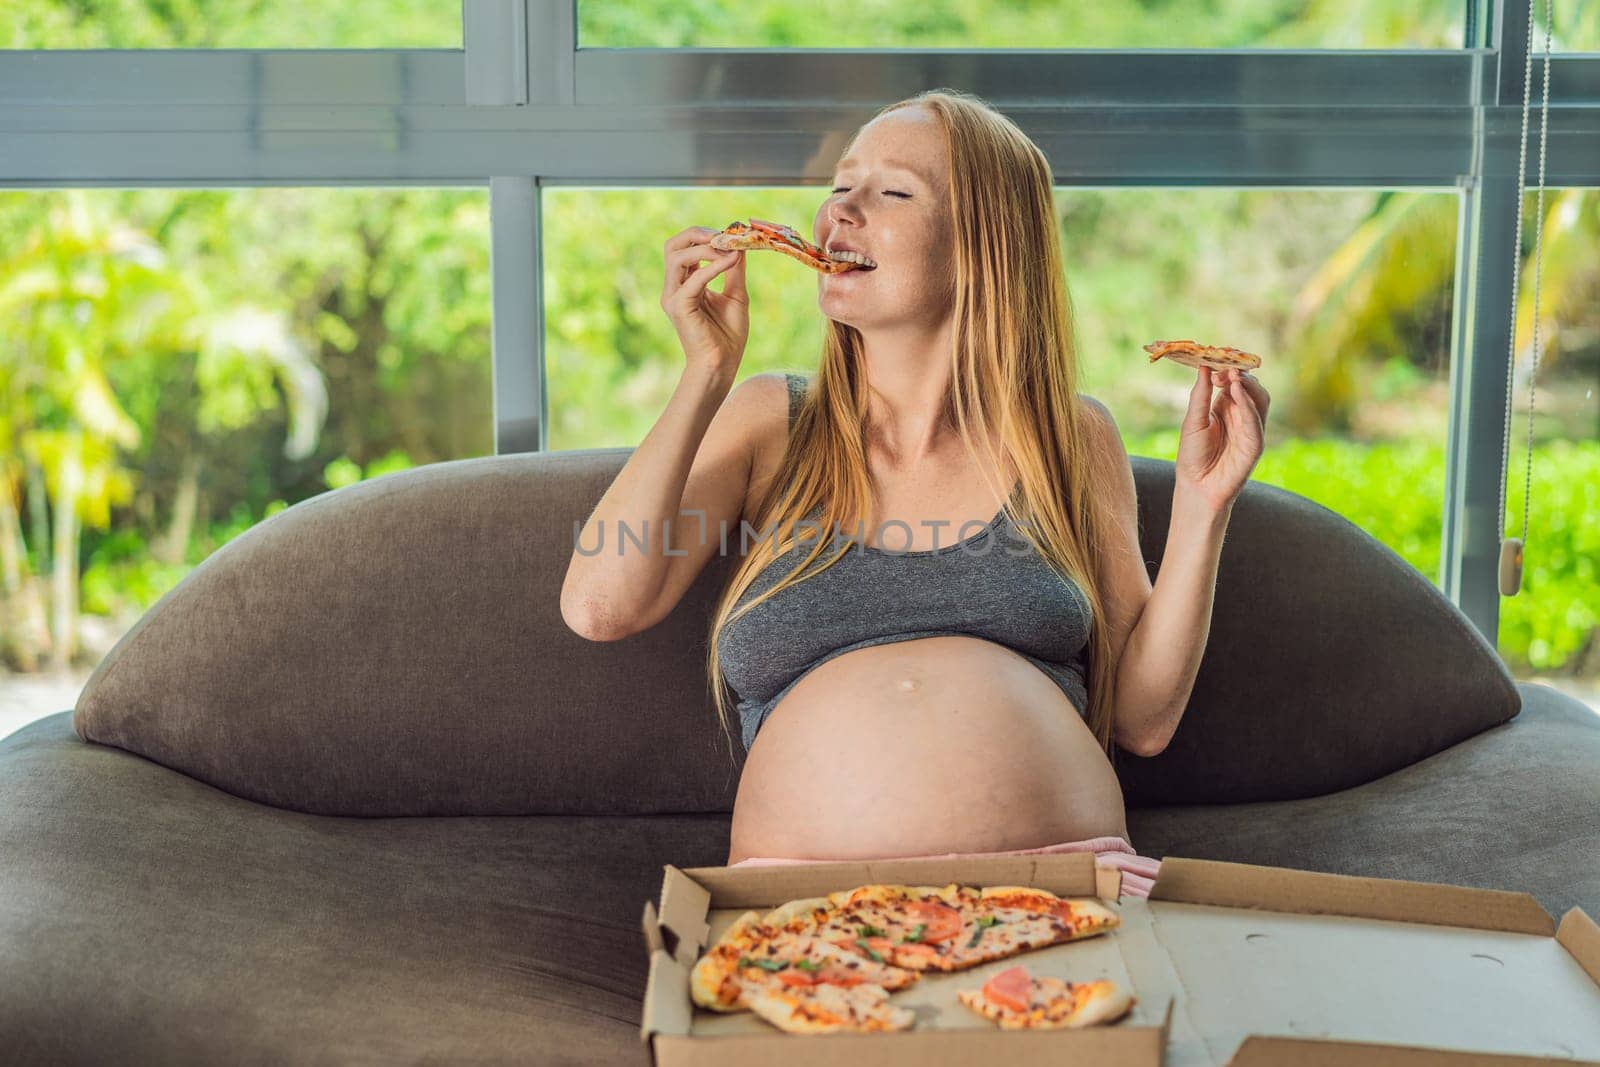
[942, 921]
[1012, 988]
[795, 976]
[840, 976]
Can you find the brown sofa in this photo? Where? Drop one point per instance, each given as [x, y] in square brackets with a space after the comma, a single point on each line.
[353, 792]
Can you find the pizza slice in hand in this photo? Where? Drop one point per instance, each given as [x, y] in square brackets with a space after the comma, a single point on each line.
[1018, 1001]
[1196, 355]
[786, 240]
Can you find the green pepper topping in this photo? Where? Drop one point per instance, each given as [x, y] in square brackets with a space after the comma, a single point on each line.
[871, 931]
[984, 922]
[766, 965]
[914, 936]
[868, 950]
[808, 965]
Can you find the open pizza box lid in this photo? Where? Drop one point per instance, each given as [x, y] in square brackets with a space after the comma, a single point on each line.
[1231, 965]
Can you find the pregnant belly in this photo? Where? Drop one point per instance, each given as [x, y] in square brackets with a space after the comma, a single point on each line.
[932, 745]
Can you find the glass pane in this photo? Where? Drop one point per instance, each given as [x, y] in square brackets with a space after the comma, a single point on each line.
[1575, 31]
[1345, 294]
[1036, 24]
[1550, 630]
[195, 361]
[231, 24]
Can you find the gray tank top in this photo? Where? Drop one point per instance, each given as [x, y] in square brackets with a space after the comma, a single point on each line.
[991, 585]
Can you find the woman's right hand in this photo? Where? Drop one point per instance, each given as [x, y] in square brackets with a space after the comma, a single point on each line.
[712, 327]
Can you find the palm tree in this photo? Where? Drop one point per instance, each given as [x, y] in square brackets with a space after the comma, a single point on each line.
[87, 293]
[1353, 312]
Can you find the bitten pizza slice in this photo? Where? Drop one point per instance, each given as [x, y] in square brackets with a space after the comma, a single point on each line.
[760, 234]
[1196, 355]
[1018, 1001]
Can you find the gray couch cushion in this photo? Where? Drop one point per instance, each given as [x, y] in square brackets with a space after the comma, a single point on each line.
[1516, 807]
[396, 648]
[1330, 660]
[147, 918]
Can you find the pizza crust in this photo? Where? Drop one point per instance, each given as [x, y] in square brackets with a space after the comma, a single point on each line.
[797, 911]
[713, 979]
[826, 1009]
[1196, 355]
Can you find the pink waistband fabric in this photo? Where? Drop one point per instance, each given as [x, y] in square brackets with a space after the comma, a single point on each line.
[1138, 872]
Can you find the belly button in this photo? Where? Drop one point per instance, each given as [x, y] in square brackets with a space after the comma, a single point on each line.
[908, 685]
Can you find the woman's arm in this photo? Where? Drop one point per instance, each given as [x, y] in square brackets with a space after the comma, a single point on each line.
[1162, 656]
[1222, 439]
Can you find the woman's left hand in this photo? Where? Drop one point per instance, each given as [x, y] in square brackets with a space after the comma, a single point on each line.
[1220, 442]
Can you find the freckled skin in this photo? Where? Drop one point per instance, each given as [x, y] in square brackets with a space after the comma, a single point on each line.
[985, 754]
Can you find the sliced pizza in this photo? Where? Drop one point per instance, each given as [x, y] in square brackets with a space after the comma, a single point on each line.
[753, 955]
[826, 1008]
[946, 928]
[1196, 355]
[1007, 920]
[759, 234]
[1019, 1001]
[829, 963]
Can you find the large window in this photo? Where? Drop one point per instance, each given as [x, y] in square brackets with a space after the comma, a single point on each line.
[1551, 629]
[181, 364]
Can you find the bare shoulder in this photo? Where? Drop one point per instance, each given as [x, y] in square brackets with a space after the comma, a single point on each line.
[770, 391]
[766, 396]
[1098, 409]
[1102, 424]
[1106, 449]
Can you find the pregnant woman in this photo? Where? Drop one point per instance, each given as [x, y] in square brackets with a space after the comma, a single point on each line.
[940, 628]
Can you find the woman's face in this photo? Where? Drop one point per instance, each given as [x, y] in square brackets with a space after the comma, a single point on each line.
[888, 200]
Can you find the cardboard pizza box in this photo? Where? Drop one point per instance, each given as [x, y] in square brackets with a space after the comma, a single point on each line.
[698, 904]
[1232, 965]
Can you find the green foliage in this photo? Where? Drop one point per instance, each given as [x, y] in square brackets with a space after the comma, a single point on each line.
[122, 579]
[232, 24]
[1035, 24]
[342, 471]
[1395, 492]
